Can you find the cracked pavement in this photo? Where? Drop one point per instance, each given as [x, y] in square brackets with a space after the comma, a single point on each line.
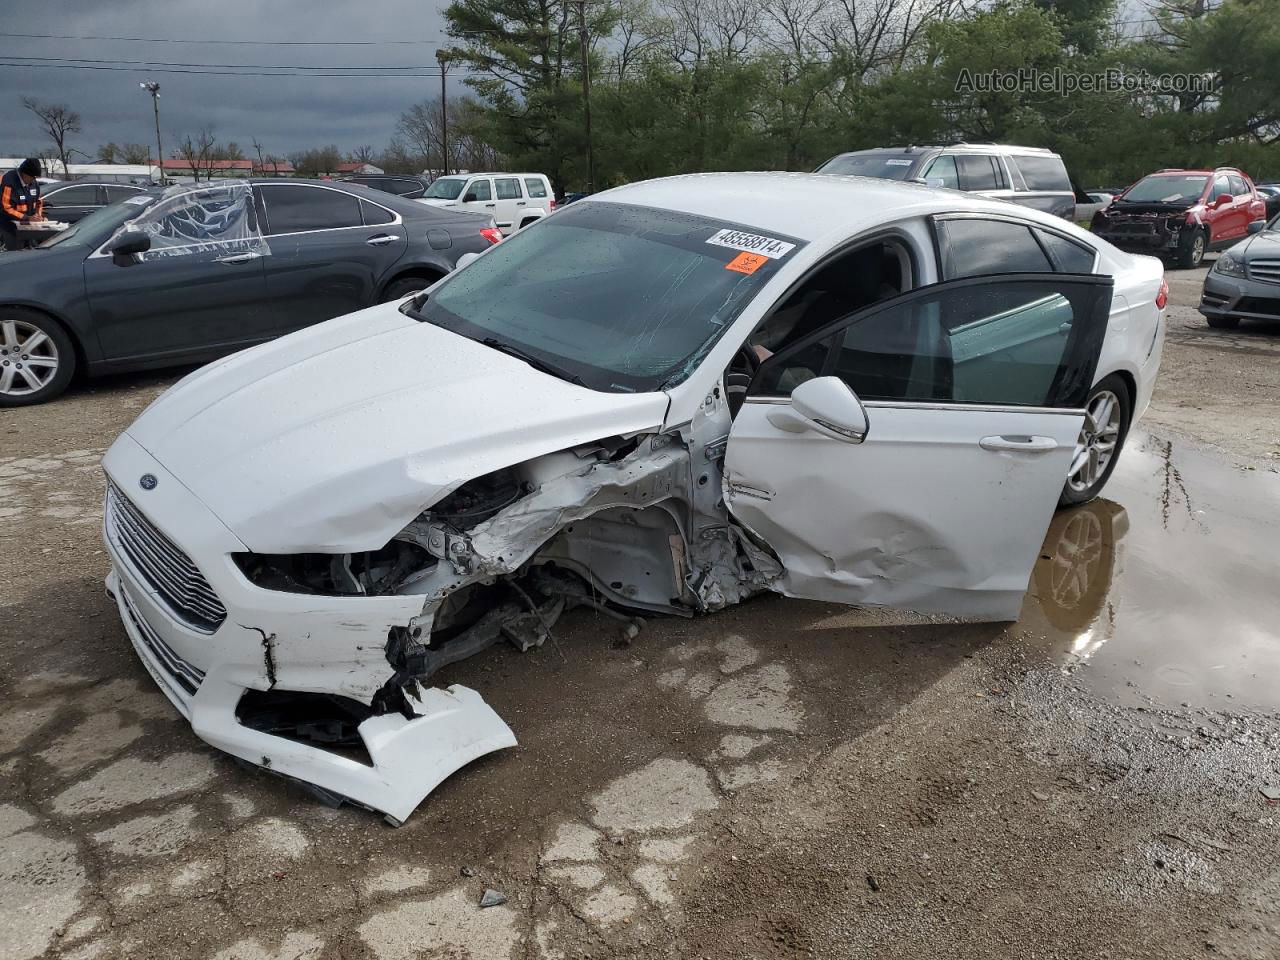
[782, 779]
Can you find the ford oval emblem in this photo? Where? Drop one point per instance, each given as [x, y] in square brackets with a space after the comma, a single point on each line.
[148, 481]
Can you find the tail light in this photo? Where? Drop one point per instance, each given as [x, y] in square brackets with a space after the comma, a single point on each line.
[553, 205]
[1162, 297]
[492, 234]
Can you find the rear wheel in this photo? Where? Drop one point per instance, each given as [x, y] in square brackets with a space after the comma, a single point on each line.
[1191, 248]
[399, 289]
[1223, 323]
[1102, 435]
[37, 359]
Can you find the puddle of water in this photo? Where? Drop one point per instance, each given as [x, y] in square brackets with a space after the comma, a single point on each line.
[1169, 589]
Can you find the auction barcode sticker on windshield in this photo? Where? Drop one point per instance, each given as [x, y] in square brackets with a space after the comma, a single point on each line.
[752, 243]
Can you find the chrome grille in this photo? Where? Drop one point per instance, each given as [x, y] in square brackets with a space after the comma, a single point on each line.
[183, 673]
[1266, 270]
[165, 567]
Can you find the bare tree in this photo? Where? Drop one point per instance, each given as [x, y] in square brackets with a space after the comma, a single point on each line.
[364, 154]
[198, 153]
[59, 121]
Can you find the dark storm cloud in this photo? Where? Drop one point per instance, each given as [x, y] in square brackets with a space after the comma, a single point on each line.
[284, 113]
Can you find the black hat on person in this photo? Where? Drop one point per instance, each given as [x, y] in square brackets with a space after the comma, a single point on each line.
[30, 167]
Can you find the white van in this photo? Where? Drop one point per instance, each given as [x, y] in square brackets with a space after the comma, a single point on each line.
[515, 200]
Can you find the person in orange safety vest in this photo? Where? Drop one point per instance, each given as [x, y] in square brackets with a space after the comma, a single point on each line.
[19, 202]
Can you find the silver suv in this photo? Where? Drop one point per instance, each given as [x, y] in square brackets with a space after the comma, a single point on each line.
[1031, 176]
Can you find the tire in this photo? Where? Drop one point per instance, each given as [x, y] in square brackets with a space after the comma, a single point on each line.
[1191, 249]
[1223, 323]
[27, 336]
[399, 289]
[1102, 436]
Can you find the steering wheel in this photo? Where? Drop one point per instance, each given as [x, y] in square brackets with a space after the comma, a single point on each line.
[746, 358]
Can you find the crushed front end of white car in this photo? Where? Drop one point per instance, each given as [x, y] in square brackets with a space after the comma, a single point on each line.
[294, 595]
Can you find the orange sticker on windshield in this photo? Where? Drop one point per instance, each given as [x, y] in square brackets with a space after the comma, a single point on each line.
[747, 263]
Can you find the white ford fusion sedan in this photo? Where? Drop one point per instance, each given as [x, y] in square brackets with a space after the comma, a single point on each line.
[665, 399]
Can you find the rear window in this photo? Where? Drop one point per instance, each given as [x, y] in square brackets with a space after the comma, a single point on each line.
[878, 164]
[1043, 173]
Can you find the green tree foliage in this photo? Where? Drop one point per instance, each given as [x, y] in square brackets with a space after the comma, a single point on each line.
[689, 85]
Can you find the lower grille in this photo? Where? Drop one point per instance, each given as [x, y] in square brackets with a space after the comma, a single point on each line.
[1267, 305]
[183, 673]
[1268, 271]
[163, 564]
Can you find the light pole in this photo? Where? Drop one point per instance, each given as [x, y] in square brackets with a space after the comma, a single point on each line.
[443, 57]
[584, 41]
[153, 88]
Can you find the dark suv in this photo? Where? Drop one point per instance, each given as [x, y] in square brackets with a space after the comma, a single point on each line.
[1182, 214]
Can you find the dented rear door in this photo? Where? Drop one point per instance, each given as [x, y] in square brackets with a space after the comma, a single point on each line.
[974, 394]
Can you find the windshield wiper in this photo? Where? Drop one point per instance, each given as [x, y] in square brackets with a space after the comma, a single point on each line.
[504, 347]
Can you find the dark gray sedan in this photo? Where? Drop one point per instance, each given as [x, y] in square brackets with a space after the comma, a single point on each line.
[1245, 281]
[192, 273]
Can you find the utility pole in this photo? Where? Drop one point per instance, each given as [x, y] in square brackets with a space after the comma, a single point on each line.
[153, 88]
[443, 57]
[584, 44]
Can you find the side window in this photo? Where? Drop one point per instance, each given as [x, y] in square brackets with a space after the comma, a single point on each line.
[375, 215]
[978, 173]
[480, 191]
[508, 188]
[1238, 189]
[1221, 188]
[1043, 173]
[85, 196]
[117, 193]
[944, 169]
[1067, 255]
[1022, 342]
[295, 208]
[402, 187]
[535, 186]
[972, 248]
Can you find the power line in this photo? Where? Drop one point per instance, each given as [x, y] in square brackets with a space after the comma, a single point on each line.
[256, 43]
[210, 66]
[222, 73]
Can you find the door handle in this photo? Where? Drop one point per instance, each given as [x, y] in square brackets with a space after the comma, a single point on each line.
[490, 204]
[239, 258]
[1019, 444]
[381, 240]
[519, 203]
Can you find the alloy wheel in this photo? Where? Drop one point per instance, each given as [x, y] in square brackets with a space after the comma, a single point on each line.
[28, 358]
[1197, 249]
[1096, 446]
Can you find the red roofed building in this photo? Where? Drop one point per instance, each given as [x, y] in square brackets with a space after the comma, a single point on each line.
[218, 169]
[358, 170]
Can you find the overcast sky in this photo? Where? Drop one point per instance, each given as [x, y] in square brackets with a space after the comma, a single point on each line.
[284, 113]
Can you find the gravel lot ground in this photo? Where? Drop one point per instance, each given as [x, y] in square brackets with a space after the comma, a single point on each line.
[785, 779]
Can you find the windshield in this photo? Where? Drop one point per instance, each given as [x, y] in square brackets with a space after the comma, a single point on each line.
[872, 163]
[1166, 190]
[446, 188]
[99, 225]
[621, 297]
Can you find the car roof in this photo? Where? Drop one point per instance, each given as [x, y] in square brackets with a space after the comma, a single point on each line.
[496, 173]
[807, 206]
[1000, 148]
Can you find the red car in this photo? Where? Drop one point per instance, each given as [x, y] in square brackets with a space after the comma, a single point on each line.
[1182, 214]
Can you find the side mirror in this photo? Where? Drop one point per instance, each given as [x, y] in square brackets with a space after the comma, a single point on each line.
[465, 259]
[824, 405]
[124, 247]
[1222, 201]
[1257, 226]
[470, 197]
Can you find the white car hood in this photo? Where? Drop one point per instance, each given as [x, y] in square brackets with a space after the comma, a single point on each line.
[333, 438]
